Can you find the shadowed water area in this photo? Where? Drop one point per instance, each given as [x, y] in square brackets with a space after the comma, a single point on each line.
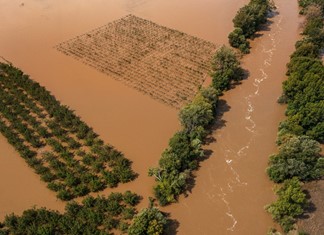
[231, 187]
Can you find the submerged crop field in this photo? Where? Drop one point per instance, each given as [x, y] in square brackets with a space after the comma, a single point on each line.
[166, 64]
[67, 154]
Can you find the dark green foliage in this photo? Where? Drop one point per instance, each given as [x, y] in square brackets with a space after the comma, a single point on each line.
[184, 151]
[304, 92]
[238, 40]
[304, 89]
[93, 216]
[305, 49]
[304, 4]
[299, 156]
[175, 166]
[195, 116]
[225, 69]
[248, 21]
[76, 161]
[211, 95]
[149, 221]
[131, 198]
[289, 205]
[174, 174]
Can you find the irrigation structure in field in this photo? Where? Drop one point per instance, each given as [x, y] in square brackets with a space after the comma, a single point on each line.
[166, 64]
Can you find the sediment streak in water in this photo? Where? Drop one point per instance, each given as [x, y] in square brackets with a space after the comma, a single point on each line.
[231, 155]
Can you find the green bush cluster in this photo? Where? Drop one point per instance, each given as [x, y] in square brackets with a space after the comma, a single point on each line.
[225, 69]
[184, 151]
[304, 90]
[247, 22]
[299, 157]
[290, 204]
[149, 221]
[76, 160]
[100, 215]
[181, 157]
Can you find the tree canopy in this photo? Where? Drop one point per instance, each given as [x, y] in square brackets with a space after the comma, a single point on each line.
[225, 68]
[299, 156]
[290, 204]
[247, 21]
[149, 221]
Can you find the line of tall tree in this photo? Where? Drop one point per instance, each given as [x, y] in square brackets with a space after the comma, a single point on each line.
[76, 160]
[299, 137]
[178, 161]
[248, 20]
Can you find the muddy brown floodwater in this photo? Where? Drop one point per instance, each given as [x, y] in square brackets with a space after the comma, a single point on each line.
[231, 186]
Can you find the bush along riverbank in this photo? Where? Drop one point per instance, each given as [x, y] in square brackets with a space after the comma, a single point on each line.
[182, 156]
[248, 20]
[299, 137]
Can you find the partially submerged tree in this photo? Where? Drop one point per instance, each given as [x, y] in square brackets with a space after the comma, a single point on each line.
[289, 205]
[149, 221]
[225, 68]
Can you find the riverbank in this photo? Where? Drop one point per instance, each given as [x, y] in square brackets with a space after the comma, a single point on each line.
[231, 185]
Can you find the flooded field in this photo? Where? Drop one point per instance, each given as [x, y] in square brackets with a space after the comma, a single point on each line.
[231, 186]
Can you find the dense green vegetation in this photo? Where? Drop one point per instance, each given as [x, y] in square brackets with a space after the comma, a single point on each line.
[299, 157]
[225, 69]
[290, 204]
[248, 21]
[149, 221]
[66, 153]
[99, 215]
[182, 156]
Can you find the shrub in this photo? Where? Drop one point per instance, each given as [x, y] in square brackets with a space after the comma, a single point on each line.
[289, 205]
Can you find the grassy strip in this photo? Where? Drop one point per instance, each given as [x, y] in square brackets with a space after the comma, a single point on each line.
[299, 159]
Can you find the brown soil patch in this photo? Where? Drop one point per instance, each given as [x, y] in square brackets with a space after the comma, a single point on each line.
[166, 64]
[312, 221]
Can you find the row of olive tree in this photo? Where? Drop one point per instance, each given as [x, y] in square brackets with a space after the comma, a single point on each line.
[299, 159]
[76, 161]
[248, 21]
[100, 215]
[185, 147]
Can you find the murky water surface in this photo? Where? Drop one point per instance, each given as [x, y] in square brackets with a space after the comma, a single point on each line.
[231, 186]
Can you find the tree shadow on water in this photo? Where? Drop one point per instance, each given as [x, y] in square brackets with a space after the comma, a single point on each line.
[244, 75]
[219, 123]
[172, 226]
[266, 26]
